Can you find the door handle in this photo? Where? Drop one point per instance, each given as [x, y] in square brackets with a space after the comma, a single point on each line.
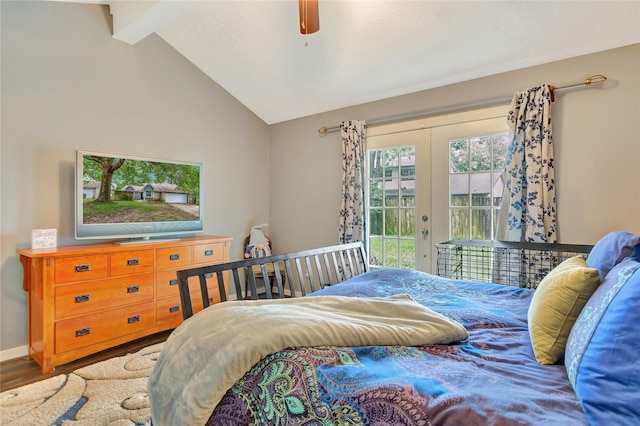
[425, 233]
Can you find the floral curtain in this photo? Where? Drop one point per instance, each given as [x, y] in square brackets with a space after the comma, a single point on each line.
[352, 216]
[528, 209]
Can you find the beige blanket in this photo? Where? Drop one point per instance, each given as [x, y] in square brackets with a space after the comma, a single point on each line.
[209, 352]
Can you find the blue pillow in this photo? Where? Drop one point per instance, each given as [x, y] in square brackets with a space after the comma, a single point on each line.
[602, 357]
[610, 250]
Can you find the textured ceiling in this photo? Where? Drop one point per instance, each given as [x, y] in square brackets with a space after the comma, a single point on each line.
[369, 50]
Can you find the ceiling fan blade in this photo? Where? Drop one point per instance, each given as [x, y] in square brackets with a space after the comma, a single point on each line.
[309, 17]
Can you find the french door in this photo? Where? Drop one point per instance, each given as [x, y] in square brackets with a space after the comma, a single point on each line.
[410, 200]
[398, 167]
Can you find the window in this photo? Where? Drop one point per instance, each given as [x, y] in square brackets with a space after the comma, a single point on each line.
[392, 207]
[475, 185]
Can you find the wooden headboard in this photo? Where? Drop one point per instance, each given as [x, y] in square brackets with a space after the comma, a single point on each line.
[303, 272]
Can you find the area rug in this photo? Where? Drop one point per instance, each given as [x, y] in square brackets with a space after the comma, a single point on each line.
[111, 392]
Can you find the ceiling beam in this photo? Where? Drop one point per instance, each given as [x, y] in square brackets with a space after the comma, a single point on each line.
[135, 20]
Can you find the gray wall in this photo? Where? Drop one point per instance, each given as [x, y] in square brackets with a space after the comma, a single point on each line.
[596, 136]
[67, 85]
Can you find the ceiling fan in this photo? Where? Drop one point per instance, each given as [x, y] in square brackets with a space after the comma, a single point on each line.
[309, 18]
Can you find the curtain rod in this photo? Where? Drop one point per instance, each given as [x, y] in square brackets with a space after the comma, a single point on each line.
[593, 80]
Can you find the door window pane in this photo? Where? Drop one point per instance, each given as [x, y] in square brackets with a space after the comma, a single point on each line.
[376, 224]
[391, 222]
[459, 190]
[480, 153]
[375, 163]
[459, 222]
[407, 222]
[500, 145]
[498, 186]
[481, 189]
[375, 193]
[375, 251]
[391, 191]
[408, 254]
[459, 156]
[481, 224]
[391, 165]
[408, 192]
[391, 259]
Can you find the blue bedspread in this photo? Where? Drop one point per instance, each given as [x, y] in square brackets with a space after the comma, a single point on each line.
[491, 379]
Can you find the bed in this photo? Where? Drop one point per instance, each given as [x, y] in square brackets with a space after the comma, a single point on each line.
[489, 362]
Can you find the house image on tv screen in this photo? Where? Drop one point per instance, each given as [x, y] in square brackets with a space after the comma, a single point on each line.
[163, 192]
[90, 190]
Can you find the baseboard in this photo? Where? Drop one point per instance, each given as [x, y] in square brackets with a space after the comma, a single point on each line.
[13, 353]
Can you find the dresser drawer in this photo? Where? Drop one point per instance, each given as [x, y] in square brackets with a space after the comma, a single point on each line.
[169, 312]
[169, 309]
[80, 332]
[80, 299]
[81, 268]
[208, 253]
[167, 283]
[131, 262]
[173, 257]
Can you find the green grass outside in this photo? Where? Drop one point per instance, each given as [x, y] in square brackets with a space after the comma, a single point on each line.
[125, 211]
[91, 206]
[393, 257]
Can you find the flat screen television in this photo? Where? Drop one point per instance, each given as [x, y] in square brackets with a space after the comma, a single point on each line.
[132, 198]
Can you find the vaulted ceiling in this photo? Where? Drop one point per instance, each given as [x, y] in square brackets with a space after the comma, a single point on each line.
[369, 50]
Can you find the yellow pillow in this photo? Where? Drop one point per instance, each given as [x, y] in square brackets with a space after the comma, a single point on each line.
[556, 304]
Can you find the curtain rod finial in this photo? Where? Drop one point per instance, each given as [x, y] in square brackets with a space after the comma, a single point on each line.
[595, 79]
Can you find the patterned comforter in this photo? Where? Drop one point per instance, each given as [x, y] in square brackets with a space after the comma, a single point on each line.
[491, 379]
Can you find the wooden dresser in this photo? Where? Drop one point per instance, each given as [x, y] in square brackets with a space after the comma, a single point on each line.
[87, 298]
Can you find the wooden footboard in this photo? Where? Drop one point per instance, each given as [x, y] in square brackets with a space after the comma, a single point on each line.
[296, 273]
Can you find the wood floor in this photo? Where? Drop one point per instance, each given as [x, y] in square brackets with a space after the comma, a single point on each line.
[22, 371]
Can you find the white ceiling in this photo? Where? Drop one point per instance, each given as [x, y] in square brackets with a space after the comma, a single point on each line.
[369, 50]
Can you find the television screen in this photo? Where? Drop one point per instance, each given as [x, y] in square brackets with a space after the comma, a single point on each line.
[120, 196]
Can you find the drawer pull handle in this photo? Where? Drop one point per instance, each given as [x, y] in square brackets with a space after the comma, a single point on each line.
[175, 256]
[133, 319]
[208, 252]
[83, 332]
[173, 281]
[133, 289]
[83, 268]
[208, 275]
[83, 298]
[173, 309]
[133, 262]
